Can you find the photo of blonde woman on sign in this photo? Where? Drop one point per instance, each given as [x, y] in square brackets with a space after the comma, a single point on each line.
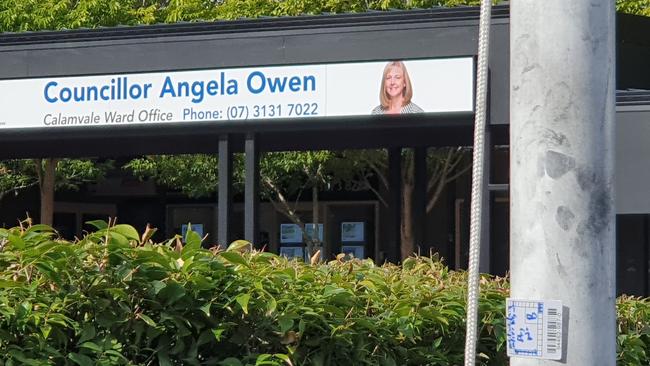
[396, 91]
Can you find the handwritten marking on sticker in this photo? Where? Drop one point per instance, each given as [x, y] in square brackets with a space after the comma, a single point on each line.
[534, 328]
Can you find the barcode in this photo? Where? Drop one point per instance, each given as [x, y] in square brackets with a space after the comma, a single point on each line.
[553, 331]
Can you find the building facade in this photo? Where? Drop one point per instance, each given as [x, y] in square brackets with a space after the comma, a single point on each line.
[352, 221]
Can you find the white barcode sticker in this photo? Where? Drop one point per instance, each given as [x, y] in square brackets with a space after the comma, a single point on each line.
[534, 328]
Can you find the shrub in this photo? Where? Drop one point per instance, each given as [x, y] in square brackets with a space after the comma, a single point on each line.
[116, 298]
[633, 341]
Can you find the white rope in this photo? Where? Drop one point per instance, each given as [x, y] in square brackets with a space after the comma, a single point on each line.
[477, 184]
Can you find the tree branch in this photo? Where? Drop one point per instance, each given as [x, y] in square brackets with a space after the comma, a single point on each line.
[434, 198]
[16, 189]
[282, 200]
[442, 176]
[380, 174]
[375, 191]
[283, 206]
[460, 172]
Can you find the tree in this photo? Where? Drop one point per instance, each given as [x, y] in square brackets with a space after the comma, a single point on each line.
[369, 171]
[195, 175]
[291, 173]
[284, 177]
[34, 15]
[50, 175]
[31, 15]
[638, 7]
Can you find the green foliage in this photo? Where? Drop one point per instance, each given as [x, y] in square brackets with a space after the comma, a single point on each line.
[187, 10]
[197, 175]
[295, 171]
[194, 175]
[14, 176]
[116, 298]
[71, 173]
[32, 15]
[633, 340]
[638, 7]
[19, 174]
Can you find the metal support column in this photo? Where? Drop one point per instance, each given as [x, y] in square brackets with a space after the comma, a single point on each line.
[420, 199]
[225, 192]
[251, 189]
[394, 204]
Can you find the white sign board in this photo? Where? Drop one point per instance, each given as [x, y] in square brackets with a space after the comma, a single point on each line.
[290, 233]
[309, 231]
[353, 251]
[297, 91]
[352, 231]
[534, 328]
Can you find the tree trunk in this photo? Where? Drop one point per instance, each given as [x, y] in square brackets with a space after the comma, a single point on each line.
[313, 244]
[281, 204]
[408, 244]
[46, 174]
[408, 186]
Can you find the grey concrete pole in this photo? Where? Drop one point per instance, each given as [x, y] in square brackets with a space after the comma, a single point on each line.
[225, 192]
[252, 190]
[562, 205]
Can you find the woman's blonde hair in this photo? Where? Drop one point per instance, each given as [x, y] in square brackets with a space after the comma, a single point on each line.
[407, 93]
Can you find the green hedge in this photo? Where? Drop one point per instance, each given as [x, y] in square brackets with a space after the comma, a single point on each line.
[115, 298]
